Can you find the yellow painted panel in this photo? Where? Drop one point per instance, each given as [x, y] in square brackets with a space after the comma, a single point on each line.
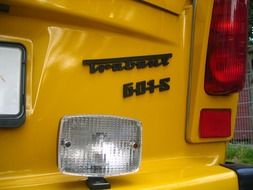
[174, 6]
[58, 36]
[61, 85]
[172, 174]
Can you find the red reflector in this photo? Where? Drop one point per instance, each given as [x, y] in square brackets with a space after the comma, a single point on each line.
[215, 123]
[227, 47]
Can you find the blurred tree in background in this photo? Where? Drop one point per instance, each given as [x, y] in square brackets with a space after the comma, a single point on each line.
[250, 22]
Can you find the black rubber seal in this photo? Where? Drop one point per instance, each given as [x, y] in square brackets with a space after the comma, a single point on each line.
[4, 8]
[12, 121]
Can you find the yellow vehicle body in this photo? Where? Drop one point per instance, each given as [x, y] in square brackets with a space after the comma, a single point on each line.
[59, 34]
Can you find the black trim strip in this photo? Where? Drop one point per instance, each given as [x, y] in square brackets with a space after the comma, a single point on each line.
[244, 173]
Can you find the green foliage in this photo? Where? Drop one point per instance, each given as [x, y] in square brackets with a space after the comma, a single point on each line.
[250, 31]
[240, 154]
[231, 152]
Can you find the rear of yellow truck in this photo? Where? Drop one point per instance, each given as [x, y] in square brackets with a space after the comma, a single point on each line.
[98, 89]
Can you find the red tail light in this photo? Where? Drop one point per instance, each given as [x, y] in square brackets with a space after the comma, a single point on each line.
[215, 123]
[227, 47]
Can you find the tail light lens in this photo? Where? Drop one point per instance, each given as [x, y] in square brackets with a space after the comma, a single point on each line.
[227, 47]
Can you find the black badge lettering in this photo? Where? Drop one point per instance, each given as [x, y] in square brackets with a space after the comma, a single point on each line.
[142, 87]
[127, 63]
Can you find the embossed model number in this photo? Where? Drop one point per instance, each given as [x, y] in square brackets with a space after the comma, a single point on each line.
[142, 87]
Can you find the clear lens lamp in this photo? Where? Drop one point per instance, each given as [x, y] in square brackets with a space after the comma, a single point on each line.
[99, 145]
